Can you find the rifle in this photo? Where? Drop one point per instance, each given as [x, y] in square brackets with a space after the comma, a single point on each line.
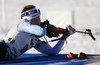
[61, 30]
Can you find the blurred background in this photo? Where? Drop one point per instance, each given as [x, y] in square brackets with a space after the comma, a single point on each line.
[81, 14]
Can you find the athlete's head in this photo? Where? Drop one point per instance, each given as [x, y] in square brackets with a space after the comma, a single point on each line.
[28, 7]
[30, 13]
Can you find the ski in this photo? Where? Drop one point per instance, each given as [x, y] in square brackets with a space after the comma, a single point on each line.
[45, 58]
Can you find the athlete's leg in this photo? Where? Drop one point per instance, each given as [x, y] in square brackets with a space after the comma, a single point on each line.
[3, 51]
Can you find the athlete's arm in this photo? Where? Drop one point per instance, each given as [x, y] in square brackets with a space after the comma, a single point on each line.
[47, 49]
[26, 26]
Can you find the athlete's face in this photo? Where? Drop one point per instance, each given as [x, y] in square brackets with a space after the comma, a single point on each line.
[36, 21]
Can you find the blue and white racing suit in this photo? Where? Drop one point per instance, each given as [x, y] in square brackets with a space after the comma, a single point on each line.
[23, 36]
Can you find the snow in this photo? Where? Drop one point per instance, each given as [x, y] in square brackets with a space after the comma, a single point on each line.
[81, 14]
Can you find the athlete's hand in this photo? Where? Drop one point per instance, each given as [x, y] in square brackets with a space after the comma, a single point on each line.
[71, 31]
